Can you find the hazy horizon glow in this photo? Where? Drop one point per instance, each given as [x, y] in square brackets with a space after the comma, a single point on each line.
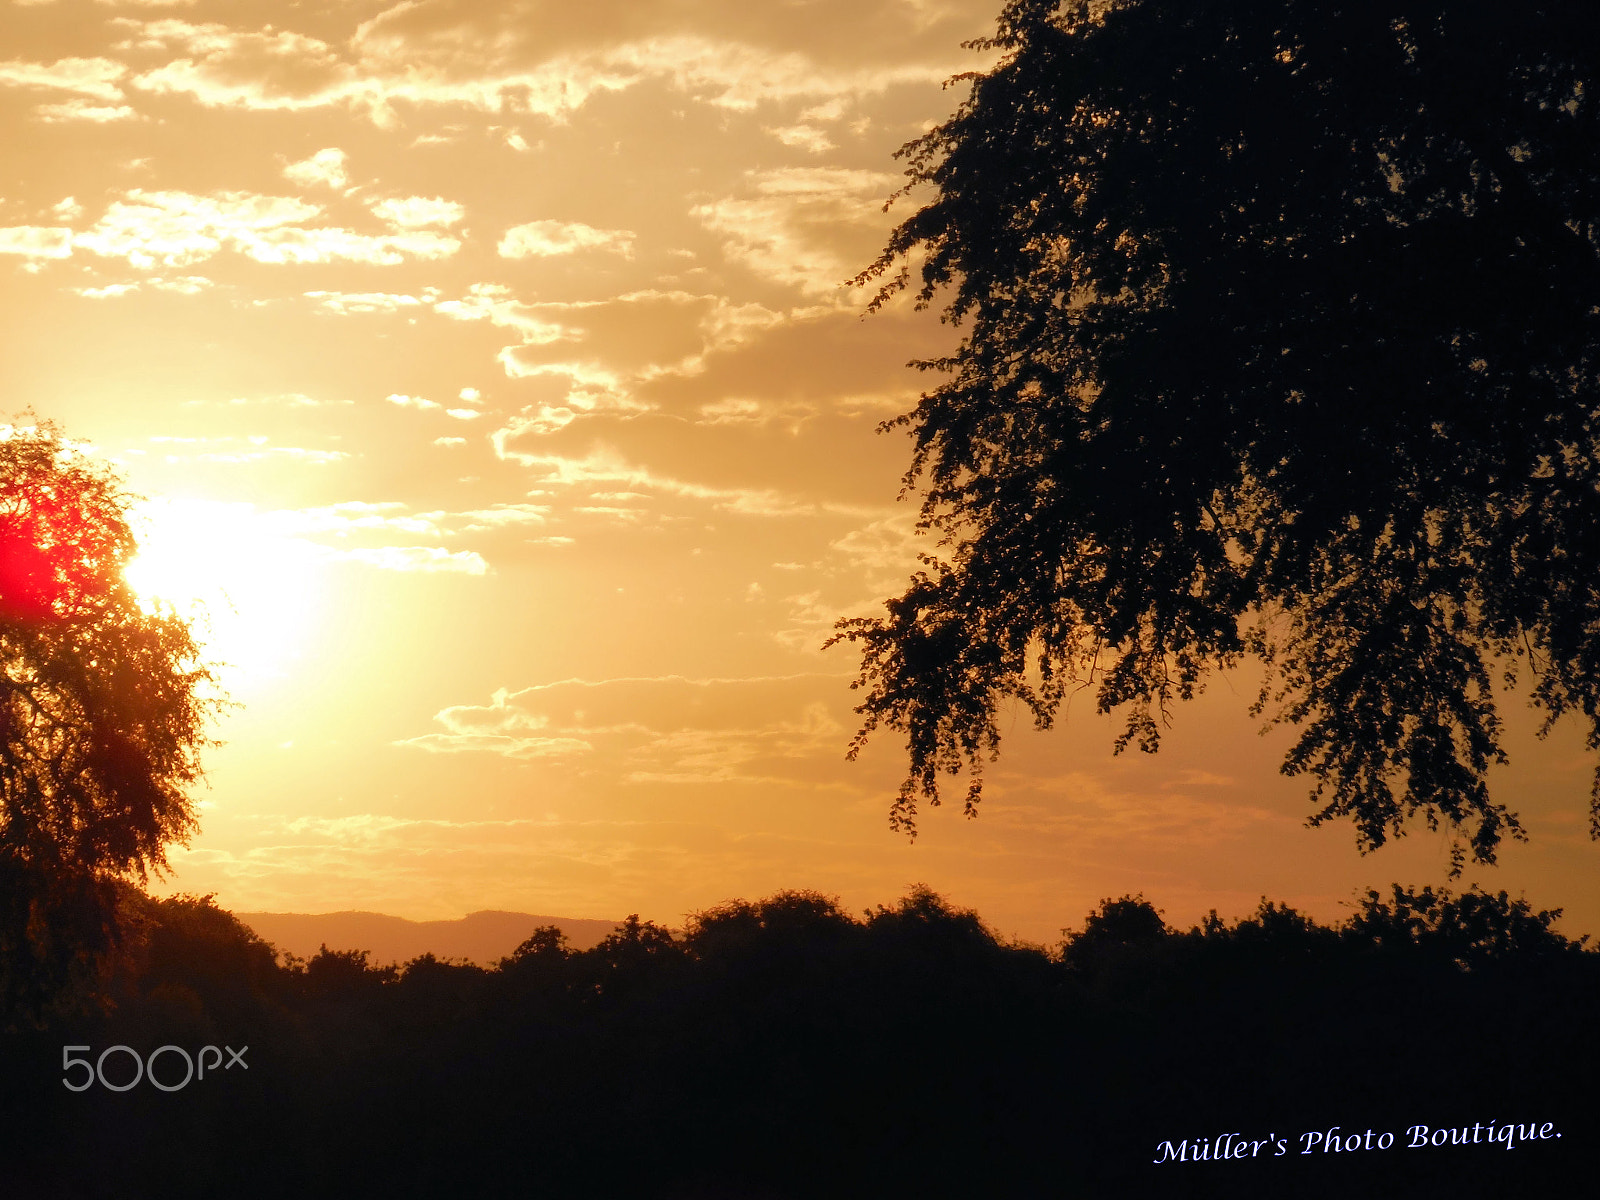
[490, 373]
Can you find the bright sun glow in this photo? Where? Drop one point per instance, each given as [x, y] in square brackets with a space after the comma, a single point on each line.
[250, 590]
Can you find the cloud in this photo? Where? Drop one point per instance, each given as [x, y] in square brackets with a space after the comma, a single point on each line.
[352, 516]
[605, 467]
[325, 167]
[346, 303]
[183, 285]
[511, 747]
[84, 110]
[266, 70]
[417, 402]
[358, 518]
[36, 241]
[96, 78]
[808, 227]
[180, 228]
[543, 239]
[495, 303]
[109, 292]
[606, 350]
[804, 137]
[884, 552]
[285, 399]
[365, 532]
[403, 401]
[667, 729]
[416, 212]
[425, 559]
[291, 245]
[545, 59]
[501, 516]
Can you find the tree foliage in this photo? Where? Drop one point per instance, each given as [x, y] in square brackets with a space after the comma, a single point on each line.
[103, 707]
[783, 1047]
[1282, 330]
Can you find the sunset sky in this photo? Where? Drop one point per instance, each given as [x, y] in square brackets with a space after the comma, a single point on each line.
[491, 375]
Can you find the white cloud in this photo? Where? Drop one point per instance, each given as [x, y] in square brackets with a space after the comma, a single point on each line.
[404, 401]
[96, 78]
[345, 303]
[184, 285]
[325, 167]
[179, 228]
[463, 414]
[84, 110]
[543, 239]
[109, 292]
[36, 241]
[494, 302]
[416, 212]
[804, 137]
[285, 399]
[293, 245]
[550, 60]
[501, 516]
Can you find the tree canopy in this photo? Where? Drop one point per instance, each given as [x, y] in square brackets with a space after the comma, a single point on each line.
[1282, 331]
[103, 707]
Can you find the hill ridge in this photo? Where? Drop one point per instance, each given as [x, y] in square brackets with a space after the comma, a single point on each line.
[482, 937]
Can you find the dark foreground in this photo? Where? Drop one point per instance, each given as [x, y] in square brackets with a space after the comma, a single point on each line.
[786, 1049]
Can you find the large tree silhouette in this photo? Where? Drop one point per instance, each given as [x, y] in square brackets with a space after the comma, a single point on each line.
[1282, 321]
[103, 706]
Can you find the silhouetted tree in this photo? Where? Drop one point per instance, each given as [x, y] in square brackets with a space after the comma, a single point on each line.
[344, 973]
[1282, 332]
[545, 944]
[1471, 930]
[103, 705]
[1116, 928]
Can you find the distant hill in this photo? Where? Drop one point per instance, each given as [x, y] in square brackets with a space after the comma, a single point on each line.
[480, 937]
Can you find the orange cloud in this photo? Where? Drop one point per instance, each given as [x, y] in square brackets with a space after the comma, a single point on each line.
[808, 227]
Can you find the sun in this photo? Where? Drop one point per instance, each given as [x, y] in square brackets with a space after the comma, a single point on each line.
[250, 591]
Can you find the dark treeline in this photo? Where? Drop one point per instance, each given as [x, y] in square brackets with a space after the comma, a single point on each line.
[785, 1048]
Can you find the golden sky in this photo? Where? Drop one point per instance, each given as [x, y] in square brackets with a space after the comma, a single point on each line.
[490, 373]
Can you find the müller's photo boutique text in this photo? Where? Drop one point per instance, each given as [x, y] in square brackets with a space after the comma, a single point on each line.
[1335, 1140]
